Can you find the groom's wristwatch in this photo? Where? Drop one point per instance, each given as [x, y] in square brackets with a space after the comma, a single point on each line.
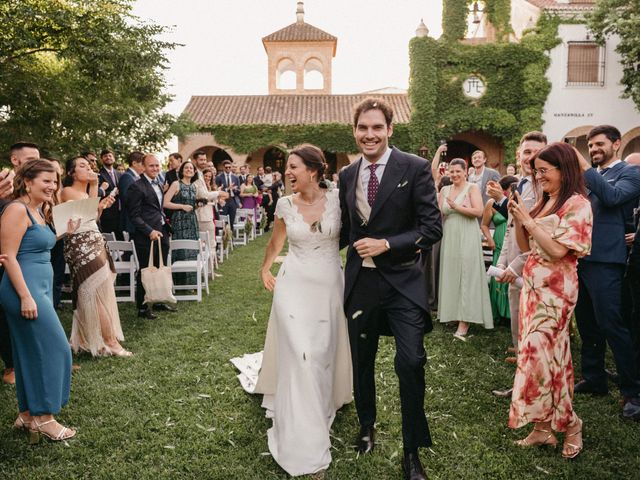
[386, 244]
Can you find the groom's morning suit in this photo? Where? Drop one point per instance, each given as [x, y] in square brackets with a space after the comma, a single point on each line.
[390, 288]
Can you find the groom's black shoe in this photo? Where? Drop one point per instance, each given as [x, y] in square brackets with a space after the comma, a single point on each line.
[365, 440]
[164, 307]
[147, 313]
[412, 467]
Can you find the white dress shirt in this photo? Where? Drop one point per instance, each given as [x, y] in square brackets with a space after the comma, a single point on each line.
[365, 172]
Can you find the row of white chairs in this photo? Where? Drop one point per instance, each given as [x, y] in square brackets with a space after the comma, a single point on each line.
[240, 234]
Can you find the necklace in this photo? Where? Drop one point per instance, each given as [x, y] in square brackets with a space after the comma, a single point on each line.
[309, 204]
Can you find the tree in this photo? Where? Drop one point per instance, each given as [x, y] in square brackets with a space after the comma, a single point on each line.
[78, 74]
[621, 18]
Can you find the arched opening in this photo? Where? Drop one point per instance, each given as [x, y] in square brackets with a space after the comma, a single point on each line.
[313, 77]
[219, 156]
[275, 158]
[332, 163]
[286, 75]
[459, 149]
[463, 144]
[633, 146]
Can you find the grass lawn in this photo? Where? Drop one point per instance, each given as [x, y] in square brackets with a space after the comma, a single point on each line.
[176, 410]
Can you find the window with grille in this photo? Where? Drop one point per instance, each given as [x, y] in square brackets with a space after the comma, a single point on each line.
[585, 65]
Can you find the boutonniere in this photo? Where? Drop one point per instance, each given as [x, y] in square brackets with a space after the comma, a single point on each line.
[402, 184]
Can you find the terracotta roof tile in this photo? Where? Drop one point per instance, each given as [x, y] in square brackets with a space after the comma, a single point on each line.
[285, 109]
[299, 32]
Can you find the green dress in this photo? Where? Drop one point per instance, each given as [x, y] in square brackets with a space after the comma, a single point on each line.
[185, 227]
[499, 292]
[463, 290]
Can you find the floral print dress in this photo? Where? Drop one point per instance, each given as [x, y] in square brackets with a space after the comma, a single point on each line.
[543, 385]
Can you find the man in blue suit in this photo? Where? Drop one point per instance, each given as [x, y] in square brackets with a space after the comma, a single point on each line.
[230, 184]
[614, 188]
[132, 175]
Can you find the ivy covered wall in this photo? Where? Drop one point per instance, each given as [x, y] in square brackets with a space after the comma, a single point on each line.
[514, 75]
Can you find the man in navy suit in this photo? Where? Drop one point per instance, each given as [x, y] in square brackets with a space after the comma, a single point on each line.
[389, 215]
[127, 179]
[110, 218]
[144, 204]
[230, 184]
[614, 188]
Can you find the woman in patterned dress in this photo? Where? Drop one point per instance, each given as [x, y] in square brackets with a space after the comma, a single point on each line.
[96, 320]
[558, 232]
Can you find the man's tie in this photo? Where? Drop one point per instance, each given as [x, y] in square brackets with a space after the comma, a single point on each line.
[155, 181]
[520, 186]
[604, 170]
[113, 177]
[372, 187]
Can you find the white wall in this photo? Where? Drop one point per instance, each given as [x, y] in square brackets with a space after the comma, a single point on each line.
[569, 107]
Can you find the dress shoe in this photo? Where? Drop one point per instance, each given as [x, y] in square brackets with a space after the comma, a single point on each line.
[147, 313]
[631, 409]
[9, 376]
[585, 387]
[503, 393]
[365, 440]
[163, 307]
[412, 467]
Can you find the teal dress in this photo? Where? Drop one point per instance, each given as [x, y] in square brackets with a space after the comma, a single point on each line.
[41, 351]
[185, 227]
[463, 290]
[499, 292]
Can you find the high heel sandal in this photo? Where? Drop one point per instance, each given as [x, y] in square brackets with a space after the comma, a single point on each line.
[65, 433]
[524, 443]
[119, 353]
[576, 448]
[20, 424]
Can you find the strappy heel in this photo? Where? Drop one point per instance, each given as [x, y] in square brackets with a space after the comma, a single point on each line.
[524, 443]
[65, 433]
[21, 424]
[576, 448]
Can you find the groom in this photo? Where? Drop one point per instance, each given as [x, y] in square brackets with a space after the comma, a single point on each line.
[389, 215]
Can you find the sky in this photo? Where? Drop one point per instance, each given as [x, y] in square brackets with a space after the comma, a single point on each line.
[222, 52]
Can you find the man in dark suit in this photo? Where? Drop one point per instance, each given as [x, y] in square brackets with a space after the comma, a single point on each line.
[230, 184]
[128, 178]
[613, 188]
[110, 218]
[389, 215]
[144, 204]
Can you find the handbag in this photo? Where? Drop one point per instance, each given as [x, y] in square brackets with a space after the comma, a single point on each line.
[157, 281]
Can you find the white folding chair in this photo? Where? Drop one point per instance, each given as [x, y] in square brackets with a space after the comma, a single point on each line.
[227, 221]
[207, 258]
[257, 228]
[186, 266]
[240, 236]
[125, 235]
[125, 261]
[108, 236]
[220, 250]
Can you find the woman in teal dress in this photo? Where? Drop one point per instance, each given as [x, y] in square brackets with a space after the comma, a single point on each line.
[463, 292]
[498, 292]
[181, 197]
[41, 352]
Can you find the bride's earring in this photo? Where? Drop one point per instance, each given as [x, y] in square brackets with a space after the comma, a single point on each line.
[28, 189]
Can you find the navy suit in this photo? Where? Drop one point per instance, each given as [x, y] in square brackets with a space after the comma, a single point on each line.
[110, 218]
[613, 196]
[392, 296]
[127, 179]
[233, 201]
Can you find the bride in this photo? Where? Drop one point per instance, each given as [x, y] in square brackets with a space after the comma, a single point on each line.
[305, 371]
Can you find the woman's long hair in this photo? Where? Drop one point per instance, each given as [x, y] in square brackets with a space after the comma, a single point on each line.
[562, 156]
[29, 171]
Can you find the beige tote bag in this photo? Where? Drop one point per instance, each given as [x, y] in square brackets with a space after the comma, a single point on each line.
[157, 281]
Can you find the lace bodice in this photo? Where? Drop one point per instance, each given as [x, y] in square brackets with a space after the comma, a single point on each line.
[312, 242]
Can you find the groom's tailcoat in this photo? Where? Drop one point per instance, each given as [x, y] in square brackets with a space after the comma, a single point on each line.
[393, 294]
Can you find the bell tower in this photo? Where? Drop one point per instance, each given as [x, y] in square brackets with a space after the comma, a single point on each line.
[300, 57]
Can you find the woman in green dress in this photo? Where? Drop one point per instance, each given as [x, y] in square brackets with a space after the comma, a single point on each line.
[498, 292]
[181, 197]
[463, 292]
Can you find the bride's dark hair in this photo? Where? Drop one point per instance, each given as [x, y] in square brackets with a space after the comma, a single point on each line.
[313, 159]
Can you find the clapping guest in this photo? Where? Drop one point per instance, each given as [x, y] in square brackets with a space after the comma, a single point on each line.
[249, 195]
[110, 217]
[181, 198]
[96, 321]
[40, 348]
[558, 232]
[463, 292]
[229, 183]
[498, 292]
[144, 205]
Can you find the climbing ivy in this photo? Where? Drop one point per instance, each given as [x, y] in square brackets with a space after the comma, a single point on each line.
[499, 15]
[514, 75]
[454, 19]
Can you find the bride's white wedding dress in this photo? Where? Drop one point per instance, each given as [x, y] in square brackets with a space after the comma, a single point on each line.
[305, 371]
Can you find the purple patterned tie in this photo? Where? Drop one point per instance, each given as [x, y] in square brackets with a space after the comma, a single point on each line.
[372, 187]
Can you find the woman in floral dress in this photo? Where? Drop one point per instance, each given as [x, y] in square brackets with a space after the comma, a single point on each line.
[558, 231]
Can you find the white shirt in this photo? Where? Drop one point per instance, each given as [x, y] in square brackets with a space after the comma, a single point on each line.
[611, 165]
[365, 172]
